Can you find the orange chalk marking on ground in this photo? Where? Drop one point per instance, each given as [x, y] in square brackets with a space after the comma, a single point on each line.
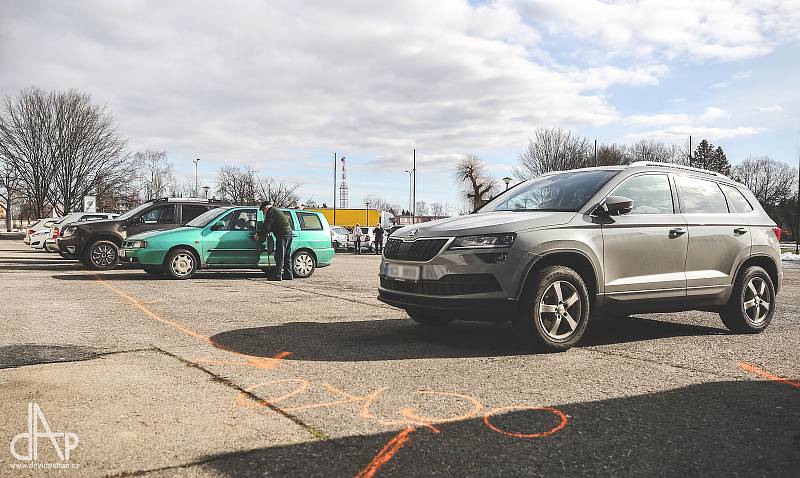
[562, 423]
[410, 413]
[386, 453]
[245, 401]
[748, 367]
[259, 362]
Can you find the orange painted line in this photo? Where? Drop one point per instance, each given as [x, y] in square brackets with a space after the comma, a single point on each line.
[245, 401]
[748, 367]
[560, 426]
[386, 453]
[253, 361]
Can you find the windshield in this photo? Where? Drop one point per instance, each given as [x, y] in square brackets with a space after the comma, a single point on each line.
[204, 219]
[564, 191]
[134, 211]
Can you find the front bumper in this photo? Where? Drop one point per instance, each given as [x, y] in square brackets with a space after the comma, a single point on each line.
[143, 256]
[68, 244]
[489, 309]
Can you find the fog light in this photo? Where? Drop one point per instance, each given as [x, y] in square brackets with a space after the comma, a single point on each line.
[493, 258]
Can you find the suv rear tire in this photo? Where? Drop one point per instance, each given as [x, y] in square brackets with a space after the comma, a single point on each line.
[752, 294]
[180, 264]
[99, 255]
[554, 310]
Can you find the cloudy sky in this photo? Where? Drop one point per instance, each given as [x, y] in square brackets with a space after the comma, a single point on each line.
[282, 85]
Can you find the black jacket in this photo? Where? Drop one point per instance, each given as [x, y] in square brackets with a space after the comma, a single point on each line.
[275, 222]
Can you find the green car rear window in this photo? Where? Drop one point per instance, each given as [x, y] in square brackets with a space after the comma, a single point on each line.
[309, 221]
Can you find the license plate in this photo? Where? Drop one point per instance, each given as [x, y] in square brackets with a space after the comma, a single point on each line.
[402, 272]
[121, 252]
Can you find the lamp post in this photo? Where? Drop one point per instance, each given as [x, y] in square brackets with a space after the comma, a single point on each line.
[334, 189]
[196, 190]
[414, 187]
[506, 180]
[408, 171]
[366, 211]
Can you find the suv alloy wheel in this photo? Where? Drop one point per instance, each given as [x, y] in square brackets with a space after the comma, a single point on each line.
[752, 302]
[102, 255]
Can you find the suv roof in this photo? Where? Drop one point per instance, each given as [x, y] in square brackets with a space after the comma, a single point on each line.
[656, 164]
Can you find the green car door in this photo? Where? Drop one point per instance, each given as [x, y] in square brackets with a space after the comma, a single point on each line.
[229, 240]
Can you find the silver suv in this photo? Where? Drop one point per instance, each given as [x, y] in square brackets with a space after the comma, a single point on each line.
[555, 250]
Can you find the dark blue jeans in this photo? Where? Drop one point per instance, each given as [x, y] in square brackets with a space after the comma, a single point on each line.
[283, 259]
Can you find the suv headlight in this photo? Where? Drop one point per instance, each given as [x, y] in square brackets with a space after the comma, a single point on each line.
[138, 244]
[489, 240]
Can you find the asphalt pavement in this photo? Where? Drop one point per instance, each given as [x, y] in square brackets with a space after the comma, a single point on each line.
[231, 375]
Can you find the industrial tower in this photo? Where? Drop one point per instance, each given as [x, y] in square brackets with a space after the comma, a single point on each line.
[343, 186]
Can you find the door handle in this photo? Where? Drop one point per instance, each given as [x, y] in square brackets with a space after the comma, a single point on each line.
[740, 230]
[676, 232]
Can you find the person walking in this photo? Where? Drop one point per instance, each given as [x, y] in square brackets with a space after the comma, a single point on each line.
[378, 232]
[357, 238]
[275, 222]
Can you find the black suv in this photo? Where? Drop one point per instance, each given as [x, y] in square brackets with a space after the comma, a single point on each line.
[96, 243]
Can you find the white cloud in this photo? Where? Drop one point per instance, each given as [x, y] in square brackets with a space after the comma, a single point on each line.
[684, 131]
[771, 109]
[721, 84]
[712, 113]
[721, 29]
[601, 78]
[657, 119]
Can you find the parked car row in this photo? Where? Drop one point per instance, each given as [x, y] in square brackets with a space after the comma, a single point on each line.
[177, 237]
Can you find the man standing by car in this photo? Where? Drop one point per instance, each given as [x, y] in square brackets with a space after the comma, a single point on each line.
[378, 231]
[357, 238]
[276, 223]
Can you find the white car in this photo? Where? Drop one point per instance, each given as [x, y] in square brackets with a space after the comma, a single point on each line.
[339, 237]
[367, 239]
[37, 226]
[49, 242]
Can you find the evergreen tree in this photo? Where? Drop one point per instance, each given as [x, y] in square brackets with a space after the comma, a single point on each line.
[711, 159]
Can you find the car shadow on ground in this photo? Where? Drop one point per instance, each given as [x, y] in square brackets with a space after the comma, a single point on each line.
[371, 340]
[741, 428]
[42, 266]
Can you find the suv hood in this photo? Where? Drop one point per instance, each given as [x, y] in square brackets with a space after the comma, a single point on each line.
[487, 223]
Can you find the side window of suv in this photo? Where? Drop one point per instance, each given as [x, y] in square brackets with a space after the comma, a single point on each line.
[191, 211]
[651, 194]
[309, 221]
[699, 196]
[160, 215]
[736, 199]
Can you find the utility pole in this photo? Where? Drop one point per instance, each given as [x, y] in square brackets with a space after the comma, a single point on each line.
[409, 190]
[690, 150]
[797, 206]
[595, 157]
[334, 189]
[196, 190]
[414, 187]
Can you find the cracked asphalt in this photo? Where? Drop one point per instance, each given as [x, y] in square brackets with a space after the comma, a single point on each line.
[231, 375]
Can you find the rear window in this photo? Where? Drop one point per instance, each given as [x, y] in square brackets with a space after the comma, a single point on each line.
[309, 221]
[699, 196]
[736, 199]
[191, 211]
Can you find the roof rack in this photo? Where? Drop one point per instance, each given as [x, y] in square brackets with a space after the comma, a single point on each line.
[203, 200]
[675, 166]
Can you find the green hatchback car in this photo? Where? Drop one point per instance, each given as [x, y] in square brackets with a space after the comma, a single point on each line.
[222, 238]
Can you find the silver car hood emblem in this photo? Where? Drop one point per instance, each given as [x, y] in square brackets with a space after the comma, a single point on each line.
[413, 232]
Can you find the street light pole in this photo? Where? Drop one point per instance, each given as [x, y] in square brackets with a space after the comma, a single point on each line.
[334, 189]
[797, 206]
[409, 190]
[414, 187]
[366, 211]
[506, 180]
[196, 190]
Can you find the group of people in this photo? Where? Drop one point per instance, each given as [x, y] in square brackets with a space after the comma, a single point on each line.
[359, 236]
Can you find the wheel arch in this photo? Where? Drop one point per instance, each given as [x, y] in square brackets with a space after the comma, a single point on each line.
[306, 249]
[104, 237]
[765, 262]
[191, 249]
[572, 258]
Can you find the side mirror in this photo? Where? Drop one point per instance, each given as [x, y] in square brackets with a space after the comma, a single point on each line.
[615, 205]
[218, 226]
[136, 220]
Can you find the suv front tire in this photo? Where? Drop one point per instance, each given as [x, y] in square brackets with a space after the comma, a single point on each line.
[554, 311]
[101, 255]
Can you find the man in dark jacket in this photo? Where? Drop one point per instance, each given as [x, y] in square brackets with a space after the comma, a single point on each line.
[276, 223]
[378, 231]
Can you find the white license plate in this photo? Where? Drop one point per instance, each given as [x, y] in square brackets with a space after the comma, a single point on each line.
[121, 252]
[402, 272]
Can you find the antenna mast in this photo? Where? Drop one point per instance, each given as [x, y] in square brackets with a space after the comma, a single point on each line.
[343, 186]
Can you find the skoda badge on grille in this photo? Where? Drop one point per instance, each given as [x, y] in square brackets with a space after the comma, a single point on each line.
[413, 232]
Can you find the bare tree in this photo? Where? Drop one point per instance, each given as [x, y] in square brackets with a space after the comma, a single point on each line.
[85, 147]
[155, 174]
[25, 133]
[9, 190]
[476, 185]
[440, 209]
[239, 185]
[280, 193]
[771, 181]
[380, 203]
[421, 208]
[553, 149]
